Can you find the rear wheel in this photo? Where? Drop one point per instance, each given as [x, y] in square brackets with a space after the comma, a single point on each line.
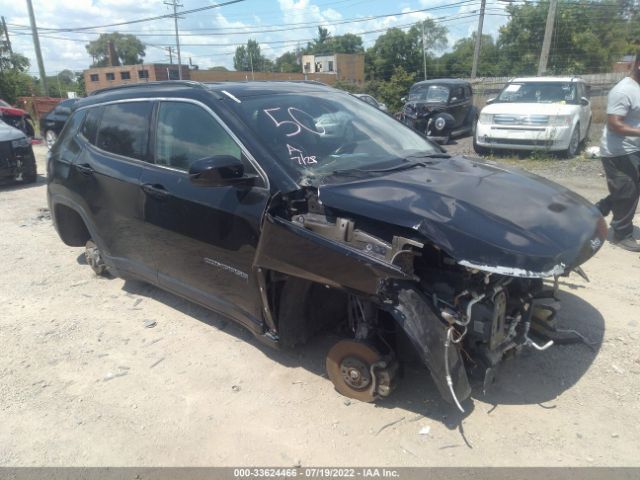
[94, 258]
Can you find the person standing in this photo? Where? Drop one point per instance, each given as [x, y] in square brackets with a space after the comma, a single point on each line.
[620, 152]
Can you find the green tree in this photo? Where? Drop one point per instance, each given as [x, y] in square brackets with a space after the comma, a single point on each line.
[65, 81]
[589, 35]
[249, 58]
[14, 79]
[129, 49]
[392, 90]
[347, 43]
[459, 61]
[288, 62]
[396, 48]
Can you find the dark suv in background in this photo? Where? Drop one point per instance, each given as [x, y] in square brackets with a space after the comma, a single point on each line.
[441, 109]
[294, 207]
[52, 122]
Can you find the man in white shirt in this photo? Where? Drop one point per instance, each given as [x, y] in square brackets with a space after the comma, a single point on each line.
[620, 151]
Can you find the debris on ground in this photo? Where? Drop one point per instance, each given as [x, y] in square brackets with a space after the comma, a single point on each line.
[150, 323]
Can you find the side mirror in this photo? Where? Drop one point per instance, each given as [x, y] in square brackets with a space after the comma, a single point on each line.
[490, 101]
[219, 171]
[584, 101]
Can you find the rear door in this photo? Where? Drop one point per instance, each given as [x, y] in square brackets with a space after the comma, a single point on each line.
[106, 175]
[458, 105]
[204, 238]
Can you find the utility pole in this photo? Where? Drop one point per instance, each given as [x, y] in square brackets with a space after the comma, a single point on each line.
[36, 46]
[424, 54]
[251, 63]
[548, 33]
[476, 51]
[175, 5]
[170, 50]
[6, 34]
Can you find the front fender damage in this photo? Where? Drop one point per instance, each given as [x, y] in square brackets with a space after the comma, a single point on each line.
[288, 248]
[412, 310]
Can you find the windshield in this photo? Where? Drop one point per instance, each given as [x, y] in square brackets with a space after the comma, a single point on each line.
[4, 104]
[429, 93]
[539, 92]
[315, 135]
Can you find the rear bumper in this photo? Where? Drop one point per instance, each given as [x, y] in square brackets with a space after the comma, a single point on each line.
[523, 138]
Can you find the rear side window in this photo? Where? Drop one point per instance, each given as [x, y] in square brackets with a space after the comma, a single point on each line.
[90, 126]
[187, 133]
[124, 129]
[67, 143]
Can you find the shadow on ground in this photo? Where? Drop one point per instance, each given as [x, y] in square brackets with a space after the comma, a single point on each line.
[13, 185]
[531, 377]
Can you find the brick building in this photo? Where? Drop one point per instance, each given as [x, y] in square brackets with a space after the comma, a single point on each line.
[103, 77]
[346, 67]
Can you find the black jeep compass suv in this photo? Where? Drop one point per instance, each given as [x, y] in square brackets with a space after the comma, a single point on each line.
[294, 207]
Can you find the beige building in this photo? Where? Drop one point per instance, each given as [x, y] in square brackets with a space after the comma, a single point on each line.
[104, 77]
[346, 67]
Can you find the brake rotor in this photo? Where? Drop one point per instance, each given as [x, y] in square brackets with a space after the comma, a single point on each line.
[349, 369]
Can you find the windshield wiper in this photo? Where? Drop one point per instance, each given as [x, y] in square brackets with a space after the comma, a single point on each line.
[396, 168]
[429, 155]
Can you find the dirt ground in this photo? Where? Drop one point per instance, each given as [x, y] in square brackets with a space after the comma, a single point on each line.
[83, 382]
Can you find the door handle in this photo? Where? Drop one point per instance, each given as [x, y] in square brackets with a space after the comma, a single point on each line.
[85, 169]
[155, 190]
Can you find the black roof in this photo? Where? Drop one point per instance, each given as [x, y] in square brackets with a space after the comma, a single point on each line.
[442, 81]
[182, 88]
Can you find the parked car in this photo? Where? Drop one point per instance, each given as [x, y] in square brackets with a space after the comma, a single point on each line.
[17, 161]
[17, 118]
[52, 122]
[237, 196]
[440, 109]
[536, 113]
[371, 101]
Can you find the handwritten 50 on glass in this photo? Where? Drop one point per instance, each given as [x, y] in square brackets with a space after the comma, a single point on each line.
[291, 119]
[297, 154]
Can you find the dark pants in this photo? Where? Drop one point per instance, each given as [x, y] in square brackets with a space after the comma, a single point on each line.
[623, 180]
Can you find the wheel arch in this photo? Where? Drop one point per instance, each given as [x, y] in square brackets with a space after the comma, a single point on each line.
[71, 226]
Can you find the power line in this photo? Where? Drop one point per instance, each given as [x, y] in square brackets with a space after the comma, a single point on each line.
[140, 20]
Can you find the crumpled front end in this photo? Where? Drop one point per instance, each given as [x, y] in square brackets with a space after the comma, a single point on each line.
[458, 274]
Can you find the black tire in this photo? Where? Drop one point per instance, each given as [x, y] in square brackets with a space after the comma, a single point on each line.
[29, 169]
[574, 143]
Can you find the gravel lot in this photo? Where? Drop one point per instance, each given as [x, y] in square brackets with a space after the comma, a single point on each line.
[83, 382]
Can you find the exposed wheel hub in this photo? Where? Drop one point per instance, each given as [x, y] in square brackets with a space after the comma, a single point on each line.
[94, 258]
[355, 373]
[358, 371]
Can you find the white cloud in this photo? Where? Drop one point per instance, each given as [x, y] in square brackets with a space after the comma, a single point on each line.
[61, 54]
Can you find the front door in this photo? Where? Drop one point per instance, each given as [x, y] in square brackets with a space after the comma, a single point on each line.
[204, 238]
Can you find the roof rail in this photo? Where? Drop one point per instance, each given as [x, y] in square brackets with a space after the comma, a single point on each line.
[186, 83]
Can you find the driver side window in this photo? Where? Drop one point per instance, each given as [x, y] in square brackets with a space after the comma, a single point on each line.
[186, 132]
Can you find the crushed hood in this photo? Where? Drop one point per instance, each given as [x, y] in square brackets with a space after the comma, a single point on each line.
[8, 133]
[484, 216]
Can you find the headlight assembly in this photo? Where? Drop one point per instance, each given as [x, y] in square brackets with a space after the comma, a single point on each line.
[485, 118]
[560, 121]
[20, 143]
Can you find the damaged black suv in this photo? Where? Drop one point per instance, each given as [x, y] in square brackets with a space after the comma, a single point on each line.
[294, 208]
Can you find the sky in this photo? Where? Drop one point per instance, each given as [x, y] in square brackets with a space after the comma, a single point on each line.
[209, 37]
